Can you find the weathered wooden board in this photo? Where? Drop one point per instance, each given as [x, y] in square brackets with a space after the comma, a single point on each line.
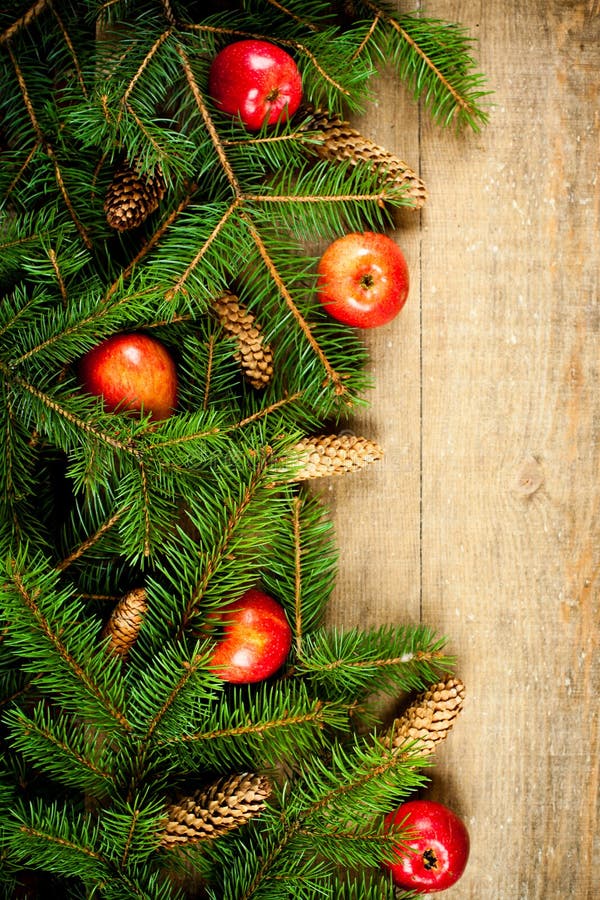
[483, 520]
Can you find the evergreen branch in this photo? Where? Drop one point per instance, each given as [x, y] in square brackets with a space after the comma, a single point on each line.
[61, 185]
[355, 662]
[59, 278]
[145, 506]
[73, 419]
[130, 837]
[130, 829]
[26, 98]
[303, 564]
[368, 36]
[299, 630]
[11, 187]
[208, 122]
[168, 11]
[196, 665]
[143, 66]
[90, 541]
[55, 639]
[24, 21]
[331, 374]
[72, 51]
[223, 540]
[59, 841]
[378, 197]
[59, 748]
[149, 245]
[266, 411]
[288, 12]
[255, 728]
[47, 147]
[433, 57]
[278, 723]
[179, 285]
[354, 784]
[209, 368]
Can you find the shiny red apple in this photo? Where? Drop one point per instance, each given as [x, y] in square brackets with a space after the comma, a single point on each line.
[256, 638]
[131, 372]
[434, 855]
[257, 81]
[363, 279]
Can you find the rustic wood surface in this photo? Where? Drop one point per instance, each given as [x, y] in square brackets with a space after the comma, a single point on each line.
[483, 519]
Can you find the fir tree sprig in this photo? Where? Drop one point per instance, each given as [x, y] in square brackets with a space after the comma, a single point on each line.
[191, 511]
[355, 662]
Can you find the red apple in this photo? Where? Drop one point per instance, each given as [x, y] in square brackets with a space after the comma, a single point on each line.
[257, 81]
[363, 279]
[256, 638]
[435, 853]
[131, 372]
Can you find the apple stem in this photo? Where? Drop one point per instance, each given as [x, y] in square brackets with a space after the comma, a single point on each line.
[430, 859]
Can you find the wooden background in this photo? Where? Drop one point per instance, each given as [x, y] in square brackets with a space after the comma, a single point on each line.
[483, 520]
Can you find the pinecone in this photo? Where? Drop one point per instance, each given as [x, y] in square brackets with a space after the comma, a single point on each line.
[125, 622]
[216, 809]
[254, 356]
[430, 717]
[132, 196]
[334, 454]
[341, 142]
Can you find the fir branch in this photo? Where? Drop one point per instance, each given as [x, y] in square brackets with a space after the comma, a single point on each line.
[208, 122]
[91, 540]
[124, 100]
[148, 246]
[288, 12]
[200, 254]
[50, 838]
[279, 723]
[166, 696]
[332, 376]
[355, 662]
[69, 752]
[56, 407]
[130, 831]
[355, 785]
[44, 621]
[433, 57]
[48, 148]
[72, 51]
[303, 564]
[24, 21]
[225, 537]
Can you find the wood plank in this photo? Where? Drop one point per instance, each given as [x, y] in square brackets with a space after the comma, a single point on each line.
[484, 517]
[377, 512]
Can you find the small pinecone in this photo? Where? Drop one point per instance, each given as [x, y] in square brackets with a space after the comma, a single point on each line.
[254, 356]
[132, 196]
[125, 622]
[341, 142]
[216, 809]
[334, 454]
[428, 720]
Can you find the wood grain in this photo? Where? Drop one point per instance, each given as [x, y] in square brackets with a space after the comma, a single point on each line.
[483, 520]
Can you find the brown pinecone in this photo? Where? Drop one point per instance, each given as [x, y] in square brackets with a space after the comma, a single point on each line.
[341, 142]
[254, 356]
[430, 717]
[334, 454]
[216, 809]
[132, 196]
[125, 622]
